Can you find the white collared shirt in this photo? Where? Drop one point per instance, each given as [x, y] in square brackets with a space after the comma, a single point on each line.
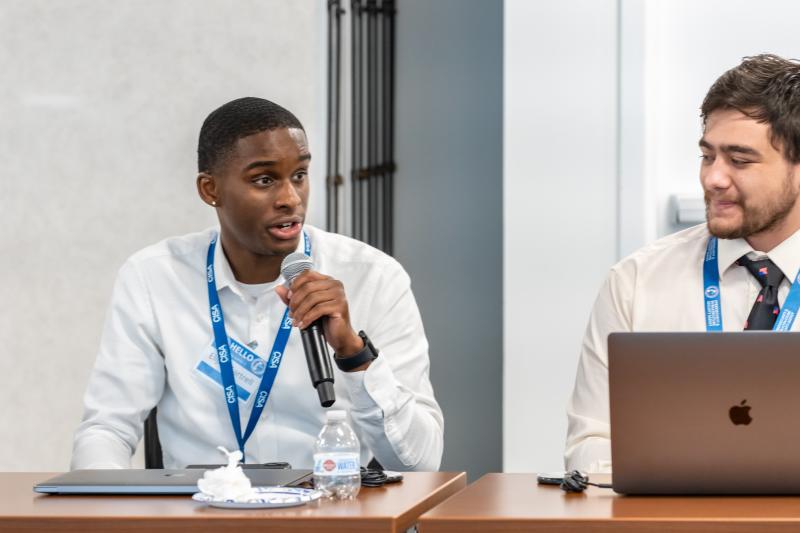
[659, 288]
[158, 329]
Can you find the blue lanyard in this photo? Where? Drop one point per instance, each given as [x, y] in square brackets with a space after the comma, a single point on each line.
[711, 294]
[224, 353]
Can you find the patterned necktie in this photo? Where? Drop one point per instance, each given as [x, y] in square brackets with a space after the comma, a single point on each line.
[765, 309]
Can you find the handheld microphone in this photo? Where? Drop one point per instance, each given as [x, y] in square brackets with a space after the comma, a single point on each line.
[317, 358]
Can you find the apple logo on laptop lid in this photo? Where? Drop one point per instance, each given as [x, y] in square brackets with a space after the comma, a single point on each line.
[740, 414]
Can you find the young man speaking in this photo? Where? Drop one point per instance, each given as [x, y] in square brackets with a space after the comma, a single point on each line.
[745, 258]
[159, 346]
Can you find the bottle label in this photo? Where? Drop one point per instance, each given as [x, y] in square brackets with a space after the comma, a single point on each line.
[336, 464]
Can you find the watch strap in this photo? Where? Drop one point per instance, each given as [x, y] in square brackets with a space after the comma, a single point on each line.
[368, 353]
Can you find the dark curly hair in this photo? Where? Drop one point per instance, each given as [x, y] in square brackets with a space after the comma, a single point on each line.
[234, 120]
[766, 88]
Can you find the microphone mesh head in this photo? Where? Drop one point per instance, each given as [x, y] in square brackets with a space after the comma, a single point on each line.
[295, 264]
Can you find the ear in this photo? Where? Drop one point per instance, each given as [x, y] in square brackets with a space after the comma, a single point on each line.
[207, 189]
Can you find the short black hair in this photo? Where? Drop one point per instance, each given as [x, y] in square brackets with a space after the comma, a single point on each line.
[236, 119]
[766, 88]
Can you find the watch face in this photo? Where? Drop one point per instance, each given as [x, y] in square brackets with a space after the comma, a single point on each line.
[368, 344]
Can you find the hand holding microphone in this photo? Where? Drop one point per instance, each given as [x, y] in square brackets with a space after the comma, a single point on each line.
[318, 307]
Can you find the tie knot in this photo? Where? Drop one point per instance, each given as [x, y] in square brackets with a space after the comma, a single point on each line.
[764, 270]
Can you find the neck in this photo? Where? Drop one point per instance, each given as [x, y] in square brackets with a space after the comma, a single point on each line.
[765, 241]
[248, 267]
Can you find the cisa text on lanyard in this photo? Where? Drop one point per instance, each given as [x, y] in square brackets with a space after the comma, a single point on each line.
[711, 295]
[224, 353]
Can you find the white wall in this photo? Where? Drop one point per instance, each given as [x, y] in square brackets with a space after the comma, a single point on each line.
[101, 108]
[688, 44]
[560, 172]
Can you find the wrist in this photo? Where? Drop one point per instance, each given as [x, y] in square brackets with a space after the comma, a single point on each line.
[351, 347]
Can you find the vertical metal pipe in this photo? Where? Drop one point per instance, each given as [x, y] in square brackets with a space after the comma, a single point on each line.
[330, 191]
[380, 119]
[372, 117]
[338, 119]
[370, 71]
[363, 172]
[355, 141]
[386, 124]
[389, 156]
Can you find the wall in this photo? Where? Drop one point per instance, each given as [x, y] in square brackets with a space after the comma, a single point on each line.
[101, 109]
[687, 45]
[449, 210]
[559, 209]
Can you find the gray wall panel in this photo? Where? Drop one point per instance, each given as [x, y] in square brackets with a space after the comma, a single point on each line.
[449, 210]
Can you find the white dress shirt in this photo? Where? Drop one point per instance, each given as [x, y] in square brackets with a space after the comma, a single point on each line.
[659, 288]
[158, 329]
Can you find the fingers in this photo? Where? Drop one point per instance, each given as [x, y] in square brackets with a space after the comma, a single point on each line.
[314, 295]
[329, 309]
[304, 307]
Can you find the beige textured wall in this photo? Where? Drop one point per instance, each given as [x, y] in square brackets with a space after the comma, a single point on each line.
[100, 108]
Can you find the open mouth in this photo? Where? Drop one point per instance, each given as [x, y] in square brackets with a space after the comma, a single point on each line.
[285, 230]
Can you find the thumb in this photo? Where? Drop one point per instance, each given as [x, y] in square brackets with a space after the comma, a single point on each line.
[283, 293]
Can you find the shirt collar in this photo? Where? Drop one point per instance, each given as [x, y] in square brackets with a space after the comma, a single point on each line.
[786, 255]
[222, 268]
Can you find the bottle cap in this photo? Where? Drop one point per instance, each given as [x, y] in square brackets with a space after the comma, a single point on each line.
[336, 415]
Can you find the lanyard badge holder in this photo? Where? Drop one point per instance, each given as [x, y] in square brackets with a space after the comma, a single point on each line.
[224, 353]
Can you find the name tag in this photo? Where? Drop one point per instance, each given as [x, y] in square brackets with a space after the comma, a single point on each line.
[248, 368]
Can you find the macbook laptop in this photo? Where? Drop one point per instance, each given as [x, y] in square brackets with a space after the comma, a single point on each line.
[705, 413]
[137, 481]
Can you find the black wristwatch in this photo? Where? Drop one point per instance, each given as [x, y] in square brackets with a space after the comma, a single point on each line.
[368, 353]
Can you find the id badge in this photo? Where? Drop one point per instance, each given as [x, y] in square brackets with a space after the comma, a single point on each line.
[248, 368]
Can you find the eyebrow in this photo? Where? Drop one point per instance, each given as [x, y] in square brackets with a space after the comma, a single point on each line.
[270, 163]
[731, 148]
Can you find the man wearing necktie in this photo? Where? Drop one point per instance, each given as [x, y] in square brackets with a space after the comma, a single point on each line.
[732, 273]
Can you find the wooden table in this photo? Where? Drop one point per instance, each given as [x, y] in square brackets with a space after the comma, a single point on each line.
[392, 508]
[514, 502]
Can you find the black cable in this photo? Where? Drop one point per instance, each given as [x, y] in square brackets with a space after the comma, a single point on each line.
[575, 481]
[372, 477]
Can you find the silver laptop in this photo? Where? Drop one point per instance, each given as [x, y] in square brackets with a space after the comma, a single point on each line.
[705, 413]
[137, 481]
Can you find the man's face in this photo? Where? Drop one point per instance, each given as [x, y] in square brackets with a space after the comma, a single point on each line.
[262, 186]
[749, 186]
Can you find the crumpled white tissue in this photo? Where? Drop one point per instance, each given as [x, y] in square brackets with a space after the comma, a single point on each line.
[227, 483]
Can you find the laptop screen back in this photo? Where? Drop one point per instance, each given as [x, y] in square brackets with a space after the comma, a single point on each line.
[705, 413]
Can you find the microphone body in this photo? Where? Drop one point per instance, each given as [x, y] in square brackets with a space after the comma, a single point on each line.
[319, 362]
[314, 344]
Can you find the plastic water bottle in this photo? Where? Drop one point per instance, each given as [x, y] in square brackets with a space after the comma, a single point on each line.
[337, 458]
